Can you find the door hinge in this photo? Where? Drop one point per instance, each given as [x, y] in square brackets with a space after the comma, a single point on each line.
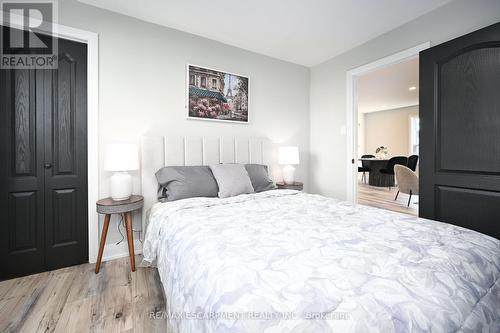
[352, 161]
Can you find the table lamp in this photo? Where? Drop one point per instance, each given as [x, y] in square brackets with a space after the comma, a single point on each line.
[288, 156]
[120, 158]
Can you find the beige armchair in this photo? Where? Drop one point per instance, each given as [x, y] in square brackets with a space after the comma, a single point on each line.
[407, 181]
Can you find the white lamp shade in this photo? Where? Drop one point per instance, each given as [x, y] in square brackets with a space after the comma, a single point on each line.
[121, 157]
[288, 155]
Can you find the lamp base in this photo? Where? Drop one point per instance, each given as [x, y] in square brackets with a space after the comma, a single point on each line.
[121, 186]
[289, 174]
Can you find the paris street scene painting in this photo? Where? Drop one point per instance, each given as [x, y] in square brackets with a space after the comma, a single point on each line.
[216, 95]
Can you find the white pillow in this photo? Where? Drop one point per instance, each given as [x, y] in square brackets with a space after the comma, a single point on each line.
[232, 179]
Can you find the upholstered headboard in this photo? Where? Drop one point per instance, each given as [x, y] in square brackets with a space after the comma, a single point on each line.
[160, 151]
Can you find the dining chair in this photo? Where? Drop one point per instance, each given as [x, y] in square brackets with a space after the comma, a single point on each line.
[407, 181]
[365, 167]
[389, 168]
[412, 162]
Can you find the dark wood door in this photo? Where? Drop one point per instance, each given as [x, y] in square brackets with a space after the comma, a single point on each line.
[460, 131]
[22, 181]
[43, 195]
[66, 222]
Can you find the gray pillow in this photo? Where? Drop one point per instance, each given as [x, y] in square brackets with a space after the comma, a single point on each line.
[259, 177]
[182, 182]
[232, 179]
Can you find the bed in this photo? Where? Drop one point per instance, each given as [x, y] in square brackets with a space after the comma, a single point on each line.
[287, 261]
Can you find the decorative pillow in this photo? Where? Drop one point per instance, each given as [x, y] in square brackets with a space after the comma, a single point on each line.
[259, 177]
[182, 182]
[232, 179]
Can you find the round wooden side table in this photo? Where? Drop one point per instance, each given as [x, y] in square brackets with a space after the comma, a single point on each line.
[109, 206]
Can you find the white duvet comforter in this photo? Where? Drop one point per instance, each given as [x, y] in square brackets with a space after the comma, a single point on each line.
[285, 261]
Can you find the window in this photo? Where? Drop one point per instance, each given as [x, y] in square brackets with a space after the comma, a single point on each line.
[414, 135]
[203, 81]
[214, 83]
[191, 80]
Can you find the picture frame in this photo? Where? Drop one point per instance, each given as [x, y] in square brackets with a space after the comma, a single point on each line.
[216, 95]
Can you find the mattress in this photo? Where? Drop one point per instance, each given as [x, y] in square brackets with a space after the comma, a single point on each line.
[287, 261]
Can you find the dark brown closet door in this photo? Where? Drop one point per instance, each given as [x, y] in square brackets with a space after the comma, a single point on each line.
[460, 131]
[65, 123]
[22, 174]
[43, 173]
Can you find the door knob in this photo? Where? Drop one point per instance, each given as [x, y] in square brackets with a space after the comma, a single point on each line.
[47, 165]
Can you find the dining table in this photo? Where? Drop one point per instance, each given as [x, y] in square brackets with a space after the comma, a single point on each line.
[377, 178]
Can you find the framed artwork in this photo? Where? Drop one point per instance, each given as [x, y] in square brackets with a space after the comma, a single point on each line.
[216, 95]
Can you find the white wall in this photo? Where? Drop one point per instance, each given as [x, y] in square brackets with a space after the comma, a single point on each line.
[361, 134]
[328, 83]
[142, 82]
[389, 128]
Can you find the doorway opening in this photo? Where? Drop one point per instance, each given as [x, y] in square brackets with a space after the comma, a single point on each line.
[383, 131]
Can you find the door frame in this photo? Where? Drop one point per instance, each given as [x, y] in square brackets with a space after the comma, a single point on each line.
[92, 41]
[352, 110]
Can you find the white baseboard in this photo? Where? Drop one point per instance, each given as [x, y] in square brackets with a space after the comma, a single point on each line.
[115, 251]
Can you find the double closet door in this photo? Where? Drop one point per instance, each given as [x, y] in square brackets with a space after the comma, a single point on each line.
[43, 169]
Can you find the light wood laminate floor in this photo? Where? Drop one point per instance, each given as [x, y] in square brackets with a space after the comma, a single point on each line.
[75, 299]
[383, 197]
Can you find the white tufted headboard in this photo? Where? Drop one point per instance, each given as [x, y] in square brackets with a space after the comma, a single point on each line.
[160, 151]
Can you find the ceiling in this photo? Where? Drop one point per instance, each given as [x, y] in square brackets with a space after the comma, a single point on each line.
[388, 88]
[305, 32]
